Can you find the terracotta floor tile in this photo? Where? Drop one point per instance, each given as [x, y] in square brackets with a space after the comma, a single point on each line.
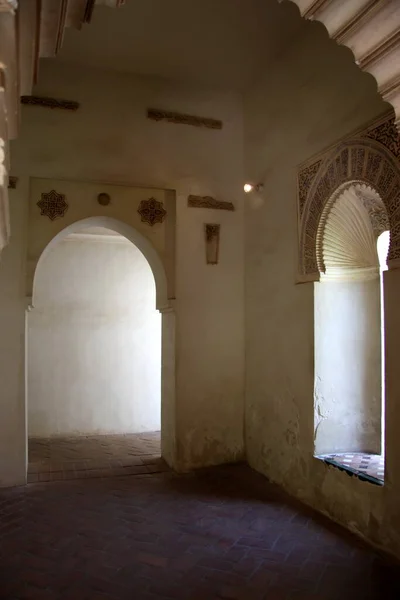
[83, 457]
[224, 532]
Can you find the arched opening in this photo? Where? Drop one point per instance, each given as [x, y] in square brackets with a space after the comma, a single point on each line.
[94, 354]
[352, 248]
[382, 246]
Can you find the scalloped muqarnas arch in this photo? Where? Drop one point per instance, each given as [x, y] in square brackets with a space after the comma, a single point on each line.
[370, 159]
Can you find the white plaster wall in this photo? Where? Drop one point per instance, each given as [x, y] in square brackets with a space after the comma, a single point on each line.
[12, 345]
[310, 97]
[109, 139]
[389, 522]
[347, 367]
[94, 341]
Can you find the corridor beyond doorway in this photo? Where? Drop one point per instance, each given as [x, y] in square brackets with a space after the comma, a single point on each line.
[80, 457]
[94, 359]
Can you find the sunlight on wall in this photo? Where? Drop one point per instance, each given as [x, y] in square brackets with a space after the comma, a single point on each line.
[383, 250]
[349, 366]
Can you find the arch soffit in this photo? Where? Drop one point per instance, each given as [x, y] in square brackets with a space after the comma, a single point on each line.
[370, 31]
[350, 225]
[129, 232]
[356, 160]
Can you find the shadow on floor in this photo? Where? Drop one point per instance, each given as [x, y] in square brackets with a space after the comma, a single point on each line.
[222, 533]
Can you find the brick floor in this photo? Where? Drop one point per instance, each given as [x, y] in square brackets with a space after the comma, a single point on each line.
[81, 457]
[224, 533]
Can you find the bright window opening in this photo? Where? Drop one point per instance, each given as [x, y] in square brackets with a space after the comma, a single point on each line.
[349, 411]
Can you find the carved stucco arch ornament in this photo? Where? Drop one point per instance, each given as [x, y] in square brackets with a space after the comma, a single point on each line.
[370, 158]
[129, 232]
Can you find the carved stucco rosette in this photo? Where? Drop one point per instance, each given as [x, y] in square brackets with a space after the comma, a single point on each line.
[152, 211]
[53, 205]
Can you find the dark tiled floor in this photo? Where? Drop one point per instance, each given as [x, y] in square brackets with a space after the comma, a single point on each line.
[81, 457]
[223, 533]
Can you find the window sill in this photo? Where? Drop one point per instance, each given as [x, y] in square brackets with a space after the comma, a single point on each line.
[337, 461]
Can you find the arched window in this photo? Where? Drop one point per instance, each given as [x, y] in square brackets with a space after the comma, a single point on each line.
[352, 246]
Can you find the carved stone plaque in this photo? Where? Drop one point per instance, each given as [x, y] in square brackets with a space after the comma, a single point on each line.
[209, 202]
[212, 231]
[174, 117]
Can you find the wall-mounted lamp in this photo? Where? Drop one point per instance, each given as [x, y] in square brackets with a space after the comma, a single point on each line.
[250, 187]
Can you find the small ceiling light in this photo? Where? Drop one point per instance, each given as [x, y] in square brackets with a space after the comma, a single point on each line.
[249, 187]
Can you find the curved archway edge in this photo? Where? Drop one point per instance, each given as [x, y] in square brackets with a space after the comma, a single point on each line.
[129, 232]
[370, 31]
[371, 158]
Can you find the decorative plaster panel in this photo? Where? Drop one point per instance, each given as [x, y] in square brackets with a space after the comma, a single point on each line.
[212, 231]
[368, 157]
[50, 102]
[12, 182]
[121, 216]
[386, 133]
[53, 205]
[209, 202]
[152, 211]
[175, 117]
[306, 177]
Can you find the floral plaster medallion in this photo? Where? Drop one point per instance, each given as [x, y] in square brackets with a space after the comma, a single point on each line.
[53, 205]
[152, 211]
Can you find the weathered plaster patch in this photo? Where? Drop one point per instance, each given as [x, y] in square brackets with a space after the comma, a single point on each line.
[206, 448]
